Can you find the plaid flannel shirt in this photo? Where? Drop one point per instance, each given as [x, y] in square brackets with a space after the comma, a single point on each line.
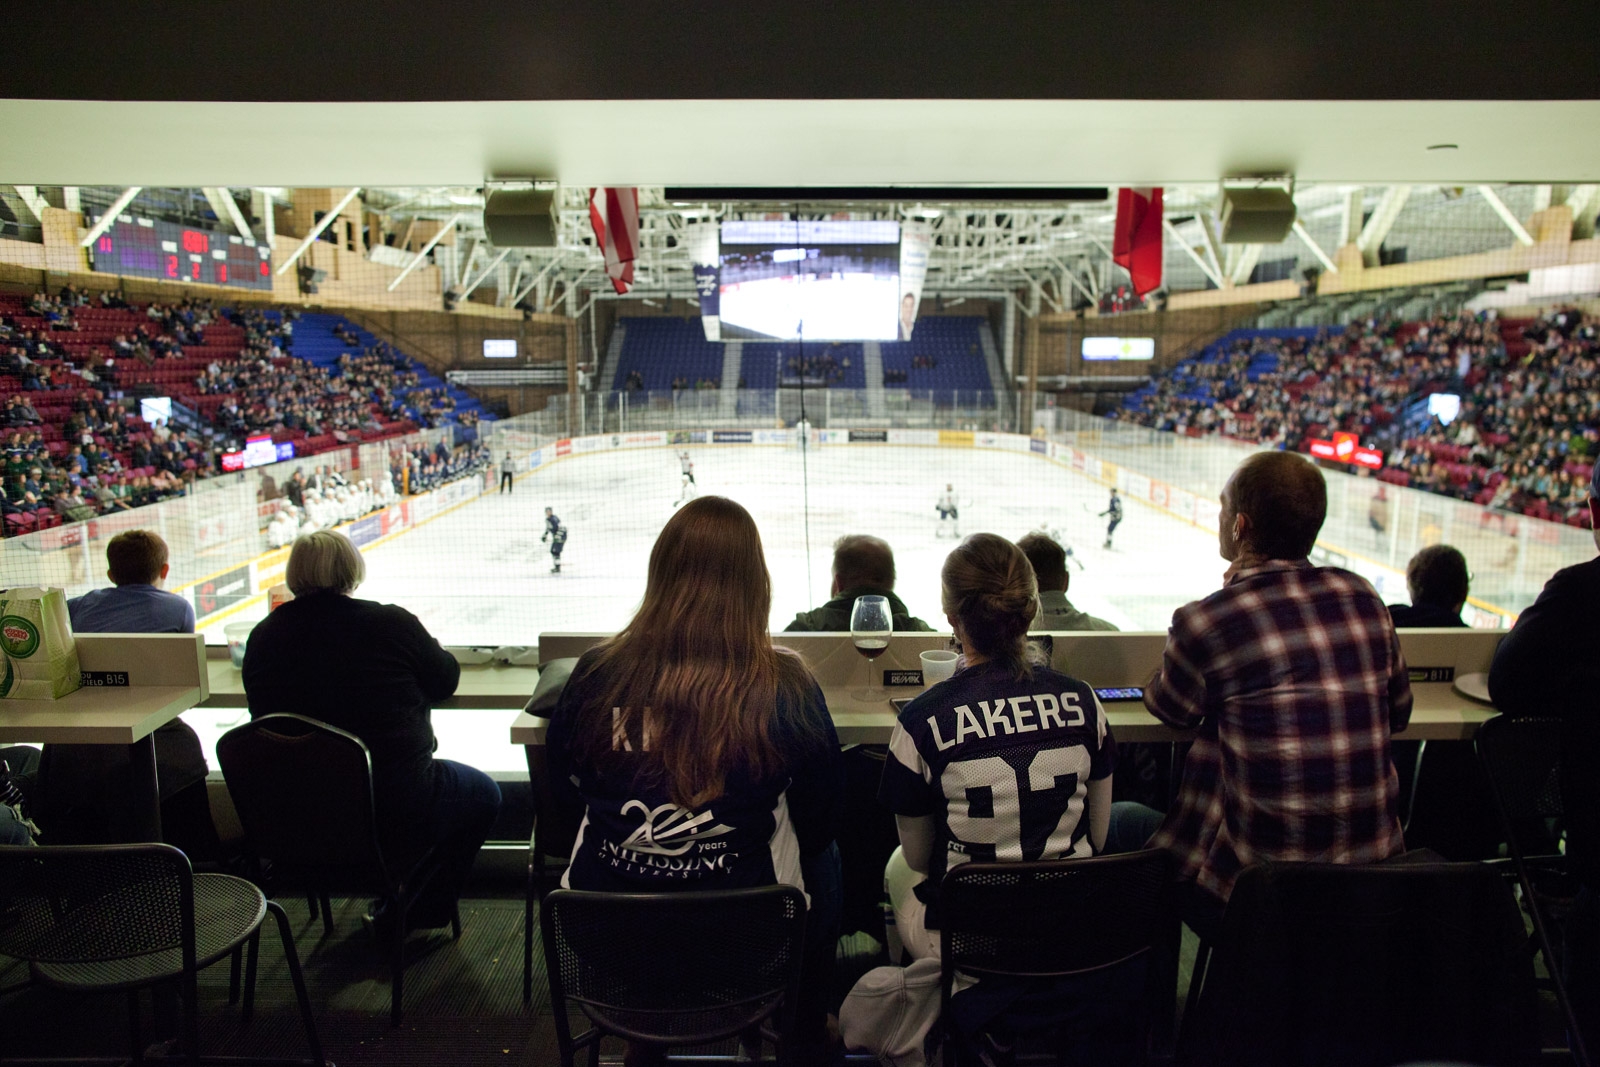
[1293, 675]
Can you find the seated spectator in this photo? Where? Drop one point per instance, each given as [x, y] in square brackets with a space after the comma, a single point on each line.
[1438, 581]
[82, 789]
[942, 752]
[689, 717]
[1287, 662]
[372, 669]
[862, 566]
[1049, 561]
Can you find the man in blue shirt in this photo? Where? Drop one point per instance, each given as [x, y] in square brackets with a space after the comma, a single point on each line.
[81, 787]
[133, 604]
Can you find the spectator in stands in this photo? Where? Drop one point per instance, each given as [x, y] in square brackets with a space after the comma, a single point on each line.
[1438, 581]
[720, 730]
[1049, 561]
[1546, 666]
[1287, 662]
[372, 669]
[940, 753]
[862, 566]
[295, 489]
[82, 790]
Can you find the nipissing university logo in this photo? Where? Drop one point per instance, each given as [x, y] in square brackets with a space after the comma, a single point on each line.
[668, 830]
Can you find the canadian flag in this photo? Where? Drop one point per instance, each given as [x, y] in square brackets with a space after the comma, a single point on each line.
[1137, 244]
[614, 213]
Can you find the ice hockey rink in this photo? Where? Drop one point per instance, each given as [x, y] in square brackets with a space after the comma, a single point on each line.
[479, 574]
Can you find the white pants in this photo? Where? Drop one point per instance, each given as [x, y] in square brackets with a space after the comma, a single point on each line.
[910, 914]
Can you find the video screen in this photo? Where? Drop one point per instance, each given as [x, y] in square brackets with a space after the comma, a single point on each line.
[258, 452]
[810, 281]
[499, 348]
[1119, 348]
[152, 408]
[1444, 406]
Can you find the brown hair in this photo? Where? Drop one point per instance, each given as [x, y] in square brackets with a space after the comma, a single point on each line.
[1048, 558]
[1286, 499]
[135, 557]
[861, 559]
[694, 681]
[1438, 575]
[989, 585]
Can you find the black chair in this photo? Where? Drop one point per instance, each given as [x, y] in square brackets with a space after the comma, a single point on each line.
[1522, 758]
[553, 834]
[303, 791]
[1353, 965]
[108, 918]
[674, 969]
[1054, 924]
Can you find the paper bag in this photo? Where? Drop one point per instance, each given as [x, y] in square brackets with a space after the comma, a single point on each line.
[41, 658]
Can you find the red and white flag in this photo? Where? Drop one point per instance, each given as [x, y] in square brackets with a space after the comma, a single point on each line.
[1137, 245]
[614, 213]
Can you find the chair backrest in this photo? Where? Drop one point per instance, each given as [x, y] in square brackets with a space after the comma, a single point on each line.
[303, 790]
[1523, 759]
[1053, 918]
[94, 903]
[669, 957]
[1384, 963]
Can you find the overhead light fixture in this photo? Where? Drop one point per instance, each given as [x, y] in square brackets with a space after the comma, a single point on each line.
[464, 200]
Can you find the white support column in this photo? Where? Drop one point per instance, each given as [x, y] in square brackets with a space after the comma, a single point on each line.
[110, 216]
[423, 254]
[29, 194]
[1316, 249]
[1245, 262]
[72, 198]
[508, 293]
[316, 231]
[1381, 222]
[1583, 200]
[1351, 215]
[479, 280]
[1203, 220]
[1511, 221]
[261, 207]
[1199, 260]
[538, 282]
[223, 204]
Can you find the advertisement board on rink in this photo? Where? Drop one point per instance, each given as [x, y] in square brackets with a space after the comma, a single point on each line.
[955, 438]
[914, 437]
[771, 437]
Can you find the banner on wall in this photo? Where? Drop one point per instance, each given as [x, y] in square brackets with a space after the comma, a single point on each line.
[701, 239]
[730, 437]
[1345, 448]
[877, 437]
[916, 238]
[223, 591]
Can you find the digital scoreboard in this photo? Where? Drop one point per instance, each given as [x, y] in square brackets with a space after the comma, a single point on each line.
[151, 248]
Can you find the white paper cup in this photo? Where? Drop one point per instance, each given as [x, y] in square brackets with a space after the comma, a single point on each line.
[937, 665]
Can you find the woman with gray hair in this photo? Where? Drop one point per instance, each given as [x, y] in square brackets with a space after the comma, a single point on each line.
[374, 670]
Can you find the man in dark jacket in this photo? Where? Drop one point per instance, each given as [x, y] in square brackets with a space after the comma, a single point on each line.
[1437, 579]
[1546, 666]
[863, 565]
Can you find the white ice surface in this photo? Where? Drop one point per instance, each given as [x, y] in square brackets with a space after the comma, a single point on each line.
[479, 575]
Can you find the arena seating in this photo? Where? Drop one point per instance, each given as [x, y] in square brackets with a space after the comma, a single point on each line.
[954, 346]
[663, 350]
[1526, 438]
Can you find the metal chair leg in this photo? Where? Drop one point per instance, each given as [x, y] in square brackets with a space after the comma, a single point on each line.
[455, 922]
[327, 916]
[235, 966]
[397, 965]
[297, 978]
[191, 1017]
[527, 948]
[135, 1043]
[250, 972]
[1191, 1000]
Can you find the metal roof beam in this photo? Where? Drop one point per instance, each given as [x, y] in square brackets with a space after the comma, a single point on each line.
[1512, 222]
[1382, 221]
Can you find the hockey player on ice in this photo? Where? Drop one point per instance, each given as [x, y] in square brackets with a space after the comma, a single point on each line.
[1114, 509]
[558, 542]
[687, 465]
[948, 513]
[689, 490]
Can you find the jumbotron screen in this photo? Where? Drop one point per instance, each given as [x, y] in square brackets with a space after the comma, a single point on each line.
[810, 281]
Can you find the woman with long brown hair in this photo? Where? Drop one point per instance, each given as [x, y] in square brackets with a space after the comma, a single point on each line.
[702, 756]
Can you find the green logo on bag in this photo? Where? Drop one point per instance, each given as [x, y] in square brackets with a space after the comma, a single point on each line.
[18, 636]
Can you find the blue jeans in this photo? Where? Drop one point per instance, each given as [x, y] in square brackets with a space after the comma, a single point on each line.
[1132, 824]
[12, 831]
[465, 803]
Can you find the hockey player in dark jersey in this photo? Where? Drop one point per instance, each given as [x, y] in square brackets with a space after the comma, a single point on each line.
[556, 533]
[1114, 509]
[1033, 741]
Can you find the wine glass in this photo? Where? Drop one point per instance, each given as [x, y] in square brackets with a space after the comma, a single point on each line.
[870, 627]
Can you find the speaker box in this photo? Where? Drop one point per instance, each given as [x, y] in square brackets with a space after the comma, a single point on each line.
[521, 218]
[1256, 216]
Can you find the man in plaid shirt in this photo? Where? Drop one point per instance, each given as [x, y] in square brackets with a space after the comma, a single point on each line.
[1293, 676]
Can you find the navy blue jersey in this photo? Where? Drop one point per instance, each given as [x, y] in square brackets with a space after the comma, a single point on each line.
[634, 838]
[1001, 765]
[551, 525]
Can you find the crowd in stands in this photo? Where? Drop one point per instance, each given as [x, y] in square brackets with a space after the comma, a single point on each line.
[634, 383]
[825, 365]
[682, 382]
[1526, 436]
[420, 468]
